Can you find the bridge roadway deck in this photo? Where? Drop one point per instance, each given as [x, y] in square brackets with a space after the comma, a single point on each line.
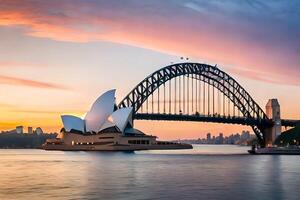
[289, 122]
[202, 118]
[212, 118]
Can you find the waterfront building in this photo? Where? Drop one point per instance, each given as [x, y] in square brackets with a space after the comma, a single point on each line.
[38, 131]
[102, 115]
[105, 127]
[30, 130]
[19, 129]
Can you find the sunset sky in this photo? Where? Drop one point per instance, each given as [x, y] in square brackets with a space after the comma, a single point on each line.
[58, 56]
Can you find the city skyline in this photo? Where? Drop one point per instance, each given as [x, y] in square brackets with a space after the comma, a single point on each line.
[57, 61]
[243, 138]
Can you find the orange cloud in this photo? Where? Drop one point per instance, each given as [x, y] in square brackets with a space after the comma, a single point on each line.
[31, 83]
[7, 125]
[46, 27]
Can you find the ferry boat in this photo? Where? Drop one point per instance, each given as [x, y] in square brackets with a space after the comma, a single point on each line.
[276, 151]
[106, 128]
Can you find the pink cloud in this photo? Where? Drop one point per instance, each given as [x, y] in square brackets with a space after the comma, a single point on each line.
[261, 47]
[8, 80]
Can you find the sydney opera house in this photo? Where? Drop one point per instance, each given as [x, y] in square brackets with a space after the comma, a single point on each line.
[107, 128]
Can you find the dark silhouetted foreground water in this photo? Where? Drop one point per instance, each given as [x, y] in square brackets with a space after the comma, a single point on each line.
[202, 173]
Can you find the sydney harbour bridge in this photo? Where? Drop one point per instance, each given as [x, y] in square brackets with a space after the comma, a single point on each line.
[204, 93]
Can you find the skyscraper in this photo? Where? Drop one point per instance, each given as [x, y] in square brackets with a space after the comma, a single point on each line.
[208, 137]
[221, 138]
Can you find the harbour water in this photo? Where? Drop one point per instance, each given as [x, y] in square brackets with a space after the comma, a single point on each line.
[205, 172]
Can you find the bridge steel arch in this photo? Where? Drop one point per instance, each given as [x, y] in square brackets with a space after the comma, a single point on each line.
[211, 75]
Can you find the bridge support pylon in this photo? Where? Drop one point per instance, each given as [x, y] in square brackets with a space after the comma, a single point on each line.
[273, 113]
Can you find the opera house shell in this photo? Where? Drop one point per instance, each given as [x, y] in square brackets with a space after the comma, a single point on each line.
[102, 115]
[104, 127]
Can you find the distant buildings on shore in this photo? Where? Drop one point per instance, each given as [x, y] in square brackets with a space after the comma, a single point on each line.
[241, 139]
[30, 130]
[22, 138]
[245, 138]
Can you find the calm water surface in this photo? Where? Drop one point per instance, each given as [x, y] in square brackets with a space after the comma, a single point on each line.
[206, 172]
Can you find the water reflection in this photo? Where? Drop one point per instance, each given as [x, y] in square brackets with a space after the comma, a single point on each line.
[34, 174]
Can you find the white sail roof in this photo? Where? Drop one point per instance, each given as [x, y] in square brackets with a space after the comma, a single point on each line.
[109, 123]
[100, 111]
[72, 122]
[120, 118]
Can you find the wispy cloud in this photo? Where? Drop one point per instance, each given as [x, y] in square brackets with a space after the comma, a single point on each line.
[48, 112]
[256, 35]
[17, 64]
[264, 77]
[7, 106]
[30, 83]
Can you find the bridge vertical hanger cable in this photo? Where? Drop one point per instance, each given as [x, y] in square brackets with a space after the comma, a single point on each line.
[204, 98]
[228, 101]
[199, 93]
[188, 94]
[193, 87]
[196, 94]
[175, 95]
[243, 102]
[233, 114]
[165, 97]
[183, 94]
[147, 93]
[179, 99]
[208, 96]
[158, 99]
[224, 105]
[234, 100]
[142, 99]
[219, 101]
[213, 112]
[239, 112]
[192, 93]
[223, 100]
[170, 97]
[249, 106]
[142, 108]
[152, 97]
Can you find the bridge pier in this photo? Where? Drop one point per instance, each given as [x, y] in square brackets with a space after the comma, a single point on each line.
[273, 113]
